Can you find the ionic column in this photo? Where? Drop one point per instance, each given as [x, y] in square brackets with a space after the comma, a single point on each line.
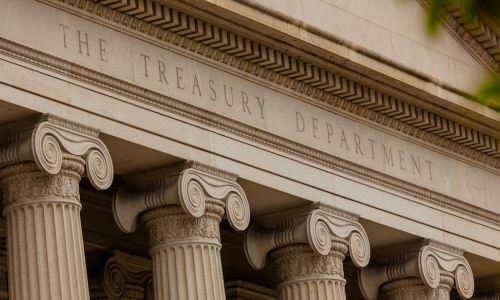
[422, 270]
[487, 289]
[181, 207]
[4, 294]
[41, 161]
[308, 246]
[123, 276]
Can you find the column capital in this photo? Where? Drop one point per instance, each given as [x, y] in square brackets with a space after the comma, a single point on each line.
[314, 224]
[186, 184]
[124, 275]
[48, 140]
[427, 260]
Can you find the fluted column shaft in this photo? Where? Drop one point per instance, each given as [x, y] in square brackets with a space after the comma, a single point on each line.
[303, 274]
[4, 294]
[415, 289]
[44, 235]
[186, 252]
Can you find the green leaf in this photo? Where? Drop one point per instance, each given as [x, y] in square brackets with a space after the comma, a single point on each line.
[435, 10]
[489, 94]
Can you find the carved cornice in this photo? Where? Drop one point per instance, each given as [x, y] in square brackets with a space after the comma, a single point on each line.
[476, 35]
[188, 187]
[56, 145]
[201, 115]
[169, 25]
[317, 228]
[158, 100]
[428, 260]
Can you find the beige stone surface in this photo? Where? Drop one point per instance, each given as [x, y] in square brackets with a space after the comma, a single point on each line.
[421, 270]
[282, 172]
[288, 149]
[267, 108]
[41, 163]
[181, 207]
[394, 29]
[308, 246]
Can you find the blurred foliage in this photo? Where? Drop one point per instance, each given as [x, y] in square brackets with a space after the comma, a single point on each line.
[472, 9]
[489, 93]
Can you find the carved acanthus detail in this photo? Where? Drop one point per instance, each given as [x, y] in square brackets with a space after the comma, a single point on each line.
[24, 186]
[308, 245]
[434, 265]
[181, 207]
[317, 227]
[171, 223]
[299, 260]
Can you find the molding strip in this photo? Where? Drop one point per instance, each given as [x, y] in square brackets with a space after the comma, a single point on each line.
[168, 104]
[177, 28]
[201, 115]
[476, 36]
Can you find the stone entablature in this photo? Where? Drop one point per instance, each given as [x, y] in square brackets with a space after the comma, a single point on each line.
[390, 166]
[421, 270]
[170, 25]
[476, 35]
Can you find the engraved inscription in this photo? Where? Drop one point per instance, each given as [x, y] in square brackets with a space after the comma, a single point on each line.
[81, 41]
[357, 142]
[189, 81]
[185, 79]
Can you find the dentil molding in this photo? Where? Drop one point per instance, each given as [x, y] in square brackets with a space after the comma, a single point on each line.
[334, 90]
[455, 141]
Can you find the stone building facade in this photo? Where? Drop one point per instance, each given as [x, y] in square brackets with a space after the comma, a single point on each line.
[246, 150]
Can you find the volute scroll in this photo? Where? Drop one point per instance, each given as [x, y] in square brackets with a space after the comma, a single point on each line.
[427, 260]
[433, 259]
[187, 185]
[315, 227]
[194, 185]
[50, 140]
[322, 226]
